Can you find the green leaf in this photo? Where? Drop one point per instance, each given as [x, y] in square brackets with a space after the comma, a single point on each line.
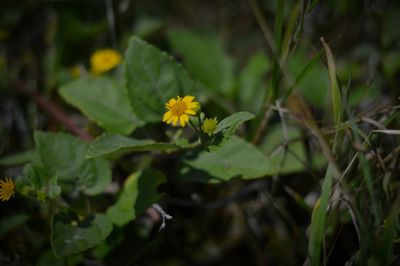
[64, 155]
[103, 101]
[37, 182]
[110, 143]
[152, 78]
[251, 90]
[226, 129]
[20, 158]
[311, 78]
[293, 159]
[336, 98]
[205, 59]
[138, 194]
[301, 73]
[237, 158]
[317, 227]
[47, 258]
[68, 239]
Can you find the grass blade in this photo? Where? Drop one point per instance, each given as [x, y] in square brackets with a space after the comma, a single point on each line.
[318, 219]
[335, 91]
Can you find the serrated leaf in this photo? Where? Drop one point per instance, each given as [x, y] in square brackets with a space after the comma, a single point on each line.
[109, 143]
[152, 78]
[138, 194]
[64, 155]
[237, 158]
[67, 239]
[226, 128]
[205, 59]
[37, 182]
[103, 101]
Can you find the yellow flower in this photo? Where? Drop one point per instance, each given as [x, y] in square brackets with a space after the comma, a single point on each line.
[6, 189]
[179, 110]
[103, 60]
[209, 125]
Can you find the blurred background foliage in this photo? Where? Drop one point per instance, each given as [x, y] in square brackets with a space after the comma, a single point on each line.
[44, 45]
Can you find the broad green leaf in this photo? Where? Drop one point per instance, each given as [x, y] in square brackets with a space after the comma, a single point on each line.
[109, 143]
[226, 128]
[10, 222]
[37, 182]
[312, 78]
[317, 227]
[20, 158]
[138, 194]
[68, 239]
[152, 78]
[64, 155]
[205, 59]
[236, 158]
[251, 90]
[103, 101]
[48, 258]
[232, 122]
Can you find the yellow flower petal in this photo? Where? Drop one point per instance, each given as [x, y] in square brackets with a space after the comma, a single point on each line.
[6, 189]
[193, 105]
[183, 119]
[175, 120]
[188, 99]
[166, 116]
[190, 112]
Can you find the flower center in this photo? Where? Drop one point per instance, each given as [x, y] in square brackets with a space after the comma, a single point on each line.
[178, 108]
[106, 59]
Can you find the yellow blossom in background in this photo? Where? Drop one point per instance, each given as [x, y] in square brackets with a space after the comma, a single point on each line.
[209, 125]
[6, 189]
[103, 60]
[179, 110]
